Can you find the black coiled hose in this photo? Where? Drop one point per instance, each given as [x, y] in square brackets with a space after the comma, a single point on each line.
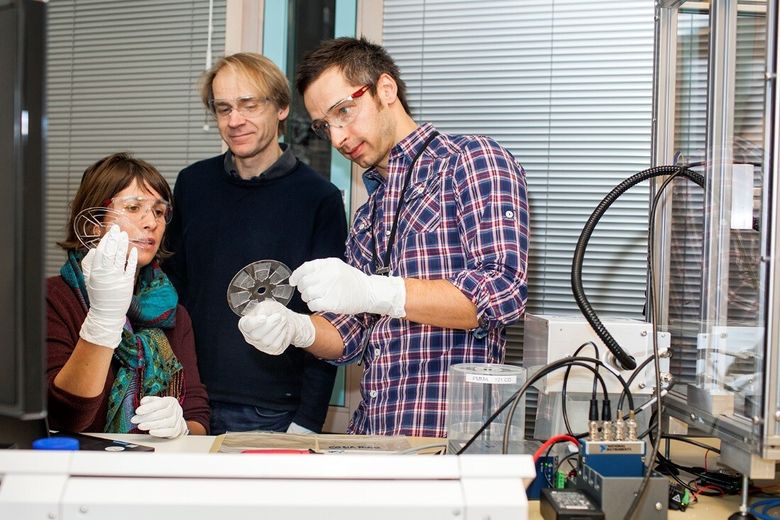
[626, 361]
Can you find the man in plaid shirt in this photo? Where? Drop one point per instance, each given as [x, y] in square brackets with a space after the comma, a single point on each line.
[436, 259]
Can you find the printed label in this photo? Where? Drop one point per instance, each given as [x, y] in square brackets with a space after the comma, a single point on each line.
[495, 380]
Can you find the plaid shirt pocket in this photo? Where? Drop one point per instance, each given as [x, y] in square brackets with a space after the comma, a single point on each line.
[422, 211]
[360, 241]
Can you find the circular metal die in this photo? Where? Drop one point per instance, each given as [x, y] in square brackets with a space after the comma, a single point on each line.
[259, 281]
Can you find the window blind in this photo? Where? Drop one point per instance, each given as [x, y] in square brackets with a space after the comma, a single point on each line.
[122, 76]
[566, 86]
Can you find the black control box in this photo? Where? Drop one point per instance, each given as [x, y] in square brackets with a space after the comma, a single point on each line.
[567, 504]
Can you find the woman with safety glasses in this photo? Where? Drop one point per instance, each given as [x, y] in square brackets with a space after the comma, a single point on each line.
[121, 354]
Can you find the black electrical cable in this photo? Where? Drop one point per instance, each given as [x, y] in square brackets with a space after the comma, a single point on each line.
[564, 459]
[681, 170]
[693, 470]
[631, 378]
[681, 482]
[625, 360]
[629, 395]
[645, 433]
[651, 316]
[547, 455]
[543, 371]
[565, 383]
[650, 425]
[682, 438]
[515, 398]
[707, 492]
[622, 357]
[669, 470]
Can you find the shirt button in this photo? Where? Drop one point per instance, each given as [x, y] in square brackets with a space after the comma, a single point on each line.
[509, 213]
[376, 352]
[387, 233]
[373, 394]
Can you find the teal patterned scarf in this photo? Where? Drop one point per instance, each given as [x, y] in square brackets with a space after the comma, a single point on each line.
[147, 364]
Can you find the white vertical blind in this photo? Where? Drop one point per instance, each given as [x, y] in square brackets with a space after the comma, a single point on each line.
[566, 86]
[122, 76]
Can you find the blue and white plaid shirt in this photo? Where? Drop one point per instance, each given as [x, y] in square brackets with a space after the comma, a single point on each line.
[465, 219]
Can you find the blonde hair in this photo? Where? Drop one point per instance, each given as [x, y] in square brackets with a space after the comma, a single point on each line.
[266, 77]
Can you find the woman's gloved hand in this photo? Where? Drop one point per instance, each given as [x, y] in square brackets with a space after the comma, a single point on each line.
[109, 275]
[161, 417]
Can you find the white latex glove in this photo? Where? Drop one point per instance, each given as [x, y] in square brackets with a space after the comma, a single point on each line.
[161, 416]
[109, 275]
[297, 428]
[271, 327]
[329, 284]
[86, 264]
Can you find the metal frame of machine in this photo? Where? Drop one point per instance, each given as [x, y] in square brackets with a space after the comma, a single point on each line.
[751, 442]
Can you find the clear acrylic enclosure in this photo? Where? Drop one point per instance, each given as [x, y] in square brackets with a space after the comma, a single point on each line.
[715, 249]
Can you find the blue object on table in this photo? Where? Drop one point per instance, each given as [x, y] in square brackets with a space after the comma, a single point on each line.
[614, 458]
[56, 443]
[545, 474]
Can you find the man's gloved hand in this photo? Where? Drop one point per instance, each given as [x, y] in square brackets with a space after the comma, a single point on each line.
[109, 274]
[270, 327]
[161, 416]
[331, 285]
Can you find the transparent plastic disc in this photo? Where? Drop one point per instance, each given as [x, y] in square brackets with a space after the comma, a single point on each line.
[259, 281]
[92, 223]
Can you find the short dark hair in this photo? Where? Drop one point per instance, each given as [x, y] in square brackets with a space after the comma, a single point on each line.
[103, 180]
[361, 62]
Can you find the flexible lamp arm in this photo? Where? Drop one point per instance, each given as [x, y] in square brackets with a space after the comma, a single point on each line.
[625, 360]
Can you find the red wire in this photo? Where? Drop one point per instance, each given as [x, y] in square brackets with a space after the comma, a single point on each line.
[554, 440]
[707, 487]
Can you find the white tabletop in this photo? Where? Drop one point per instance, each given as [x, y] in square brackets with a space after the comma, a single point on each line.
[186, 444]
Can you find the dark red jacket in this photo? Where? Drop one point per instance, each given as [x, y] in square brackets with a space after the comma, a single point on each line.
[68, 412]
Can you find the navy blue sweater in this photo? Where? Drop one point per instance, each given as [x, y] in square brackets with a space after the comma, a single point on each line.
[222, 223]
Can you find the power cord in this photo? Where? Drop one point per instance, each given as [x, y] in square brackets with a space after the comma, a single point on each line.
[514, 399]
[699, 179]
[593, 414]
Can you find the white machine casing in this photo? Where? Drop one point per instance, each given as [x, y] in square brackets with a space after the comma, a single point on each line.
[83, 485]
[550, 338]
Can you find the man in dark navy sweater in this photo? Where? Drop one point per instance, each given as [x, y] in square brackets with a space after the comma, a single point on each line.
[255, 202]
